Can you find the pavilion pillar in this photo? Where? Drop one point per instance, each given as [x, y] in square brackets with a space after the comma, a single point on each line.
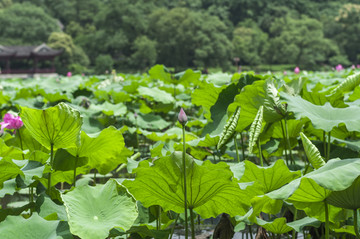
[8, 66]
[35, 65]
[52, 65]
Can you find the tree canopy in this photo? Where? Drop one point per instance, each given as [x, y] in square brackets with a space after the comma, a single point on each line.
[135, 34]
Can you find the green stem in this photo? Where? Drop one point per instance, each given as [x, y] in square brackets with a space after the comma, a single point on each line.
[76, 161]
[288, 142]
[173, 228]
[260, 153]
[236, 148]
[285, 145]
[324, 144]
[95, 176]
[21, 144]
[192, 223]
[242, 146]
[294, 232]
[51, 164]
[185, 191]
[328, 147]
[251, 235]
[356, 226]
[326, 220]
[158, 221]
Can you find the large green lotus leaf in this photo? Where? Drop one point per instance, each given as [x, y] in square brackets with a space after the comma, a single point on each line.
[270, 178]
[110, 109]
[65, 161]
[207, 141]
[45, 207]
[34, 227]
[337, 175]
[30, 170]
[28, 142]
[347, 198]
[160, 72]
[151, 121]
[8, 187]
[278, 226]
[120, 96]
[93, 211]
[206, 96]
[172, 133]
[9, 152]
[319, 96]
[188, 77]
[324, 117]
[103, 149]
[156, 94]
[265, 180]
[250, 99]
[298, 225]
[220, 108]
[58, 126]
[210, 190]
[8, 170]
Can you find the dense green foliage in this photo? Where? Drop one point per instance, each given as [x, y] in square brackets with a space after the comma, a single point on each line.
[99, 157]
[181, 34]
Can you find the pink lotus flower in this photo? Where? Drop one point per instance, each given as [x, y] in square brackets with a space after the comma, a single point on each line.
[285, 73]
[69, 74]
[353, 67]
[11, 122]
[297, 70]
[182, 117]
[358, 66]
[339, 67]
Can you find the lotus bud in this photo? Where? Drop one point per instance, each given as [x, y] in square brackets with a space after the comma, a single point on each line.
[297, 70]
[182, 117]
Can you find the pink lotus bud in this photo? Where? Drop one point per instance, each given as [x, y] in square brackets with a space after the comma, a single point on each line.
[285, 73]
[135, 115]
[69, 74]
[297, 70]
[339, 67]
[182, 117]
[358, 66]
[353, 67]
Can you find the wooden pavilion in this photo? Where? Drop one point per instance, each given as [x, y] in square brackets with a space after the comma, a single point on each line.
[27, 59]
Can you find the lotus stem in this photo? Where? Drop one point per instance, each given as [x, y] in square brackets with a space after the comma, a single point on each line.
[158, 220]
[326, 220]
[242, 146]
[192, 223]
[288, 142]
[356, 226]
[294, 231]
[328, 147]
[260, 154]
[250, 230]
[173, 228]
[236, 148]
[185, 191]
[21, 144]
[324, 144]
[285, 145]
[76, 161]
[51, 165]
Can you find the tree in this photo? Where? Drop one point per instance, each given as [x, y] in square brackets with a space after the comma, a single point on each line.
[249, 43]
[72, 54]
[348, 36]
[103, 64]
[300, 41]
[190, 39]
[39, 25]
[145, 53]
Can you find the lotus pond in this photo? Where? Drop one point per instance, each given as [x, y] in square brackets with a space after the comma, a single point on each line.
[123, 156]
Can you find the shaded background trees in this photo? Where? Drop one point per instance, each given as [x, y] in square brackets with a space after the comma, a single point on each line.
[135, 34]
